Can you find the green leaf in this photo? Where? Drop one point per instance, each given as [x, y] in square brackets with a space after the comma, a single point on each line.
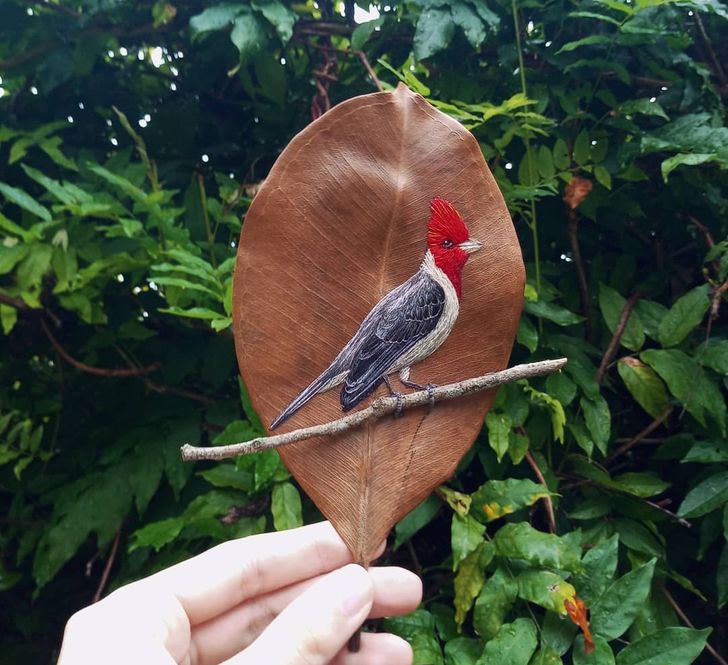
[585, 41]
[603, 176]
[546, 589]
[676, 645]
[286, 507]
[266, 466]
[496, 498]
[688, 382]
[494, 602]
[546, 656]
[434, 32]
[157, 534]
[499, 427]
[25, 201]
[706, 496]
[684, 316]
[708, 452]
[612, 304]
[466, 534]
[420, 517]
[248, 35]
[644, 106]
[551, 312]
[644, 385]
[714, 355]
[228, 475]
[215, 18]
[8, 318]
[527, 334]
[462, 651]
[556, 410]
[615, 611]
[685, 159]
[11, 256]
[521, 541]
[469, 580]
[651, 315]
[278, 15]
[640, 484]
[514, 644]
[602, 654]
[363, 32]
[562, 159]
[34, 266]
[598, 419]
[418, 628]
[581, 147]
[470, 23]
[192, 313]
[600, 565]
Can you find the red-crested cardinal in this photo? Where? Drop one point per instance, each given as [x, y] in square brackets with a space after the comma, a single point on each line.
[406, 325]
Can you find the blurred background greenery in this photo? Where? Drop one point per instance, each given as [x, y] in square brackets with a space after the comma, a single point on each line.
[132, 138]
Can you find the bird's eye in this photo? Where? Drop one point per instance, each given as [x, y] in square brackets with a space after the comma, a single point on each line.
[447, 244]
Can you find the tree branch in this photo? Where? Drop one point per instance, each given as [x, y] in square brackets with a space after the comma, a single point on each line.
[618, 332]
[107, 568]
[381, 407]
[12, 301]
[96, 371]
[687, 622]
[639, 436]
[547, 499]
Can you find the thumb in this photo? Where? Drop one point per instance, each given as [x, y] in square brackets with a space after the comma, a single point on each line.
[315, 626]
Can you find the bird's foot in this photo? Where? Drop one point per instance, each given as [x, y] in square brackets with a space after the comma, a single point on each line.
[395, 394]
[430, 388]
[398, 409]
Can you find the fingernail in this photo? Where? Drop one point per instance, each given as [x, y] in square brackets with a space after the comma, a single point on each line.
[357, 583]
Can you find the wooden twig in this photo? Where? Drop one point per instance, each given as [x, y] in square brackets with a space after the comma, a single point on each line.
[639, 436]
[12, 301]
[618, 332]
[689, 624]
[547, 499]
[381, 407]
[367, 65]
[107, 568]
[675, 518]
[715, 61]
[96, 371]
[586, 308]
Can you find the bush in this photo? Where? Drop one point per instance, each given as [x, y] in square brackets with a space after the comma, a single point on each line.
[132, 137]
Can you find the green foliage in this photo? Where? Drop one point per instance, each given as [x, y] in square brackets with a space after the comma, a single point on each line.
[132, 138]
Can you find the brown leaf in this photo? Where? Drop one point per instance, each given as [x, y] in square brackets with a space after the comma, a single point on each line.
[339, 222]
[576, 191]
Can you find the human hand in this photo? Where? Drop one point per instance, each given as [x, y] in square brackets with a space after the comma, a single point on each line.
[286, 598]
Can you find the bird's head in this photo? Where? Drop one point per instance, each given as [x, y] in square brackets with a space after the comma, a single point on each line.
[449, 240]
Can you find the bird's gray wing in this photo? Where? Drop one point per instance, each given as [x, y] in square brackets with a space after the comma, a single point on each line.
[402, 322]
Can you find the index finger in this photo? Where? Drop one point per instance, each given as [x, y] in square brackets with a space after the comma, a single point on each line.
[226, 575]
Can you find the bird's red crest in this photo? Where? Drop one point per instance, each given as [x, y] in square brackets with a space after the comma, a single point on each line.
[445, 231]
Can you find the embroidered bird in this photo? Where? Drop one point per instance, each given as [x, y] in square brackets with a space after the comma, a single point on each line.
[406, 325]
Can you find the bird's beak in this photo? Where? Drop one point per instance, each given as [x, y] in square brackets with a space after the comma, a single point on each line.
[470, 245]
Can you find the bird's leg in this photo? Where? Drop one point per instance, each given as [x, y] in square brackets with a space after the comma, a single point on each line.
[394, 393]
[429, 387]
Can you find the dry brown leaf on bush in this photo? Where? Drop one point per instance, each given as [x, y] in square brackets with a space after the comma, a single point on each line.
[339, 222]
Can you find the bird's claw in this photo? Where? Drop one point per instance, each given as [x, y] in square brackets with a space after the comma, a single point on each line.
[430, 388]
[398, 409]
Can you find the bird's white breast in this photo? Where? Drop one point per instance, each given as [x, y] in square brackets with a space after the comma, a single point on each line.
[451, 309]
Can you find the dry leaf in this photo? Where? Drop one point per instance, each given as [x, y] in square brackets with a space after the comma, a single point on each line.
[576, 191]
[339, 222]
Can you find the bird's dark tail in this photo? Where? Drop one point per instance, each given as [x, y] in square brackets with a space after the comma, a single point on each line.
[319, 385]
